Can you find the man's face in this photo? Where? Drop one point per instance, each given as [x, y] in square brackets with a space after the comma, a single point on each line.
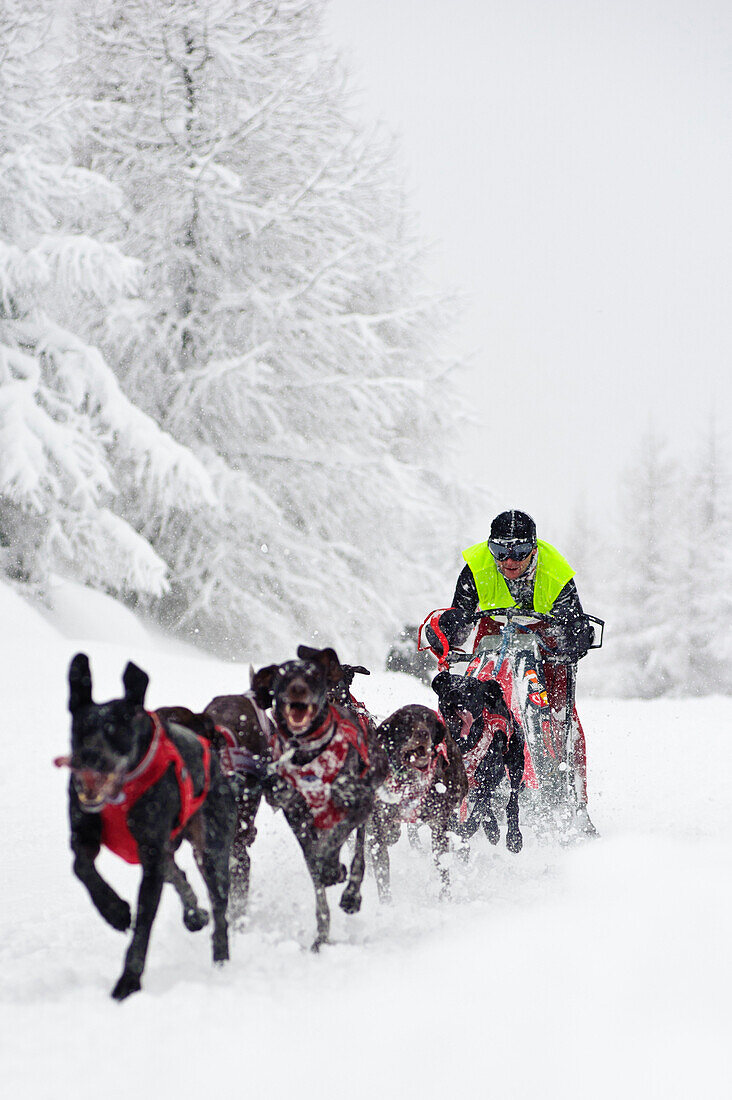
[512, 570]
[512, 560]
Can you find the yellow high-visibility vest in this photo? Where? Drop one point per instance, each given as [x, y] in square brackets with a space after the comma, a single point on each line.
[552, 573]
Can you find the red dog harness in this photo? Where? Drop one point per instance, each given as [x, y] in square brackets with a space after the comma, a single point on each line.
[162, 753]
[334, 737]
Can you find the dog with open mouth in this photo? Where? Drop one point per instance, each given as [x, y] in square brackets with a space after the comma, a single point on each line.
[139, 786]
[425, 785]
[323, 774]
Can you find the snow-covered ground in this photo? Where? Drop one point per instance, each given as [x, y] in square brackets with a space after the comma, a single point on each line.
[597, 970]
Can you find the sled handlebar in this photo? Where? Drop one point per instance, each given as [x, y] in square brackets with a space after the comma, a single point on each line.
[514, 618]
[458, 656]
[513, 614]
[528, 618]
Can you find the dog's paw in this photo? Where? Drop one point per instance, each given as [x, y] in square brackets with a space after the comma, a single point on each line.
[350, 901]
[118, 914]
[333, 873]
[220, 947]
[195, 919]
[128, 983]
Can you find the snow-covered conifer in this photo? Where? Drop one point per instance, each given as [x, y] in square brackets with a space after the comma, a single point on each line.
[71, 444]
[284, 332]
[705, 582]
[648, 654]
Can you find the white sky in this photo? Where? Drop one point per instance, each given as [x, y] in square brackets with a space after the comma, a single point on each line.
[573, 160]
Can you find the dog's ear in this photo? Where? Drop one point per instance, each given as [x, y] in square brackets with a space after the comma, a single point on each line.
[493, 696]
[441, 684]
[383, 730]
[333, 667]
[349, 671]
[307, 653]
[135, 682]
[80, 682]
[439, 730]
[327, 658]
[263, 685]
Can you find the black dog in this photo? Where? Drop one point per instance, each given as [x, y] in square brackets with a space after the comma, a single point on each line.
[340, 692]
[140, 786]
[491, 743]
[324, 772]
[426, 784]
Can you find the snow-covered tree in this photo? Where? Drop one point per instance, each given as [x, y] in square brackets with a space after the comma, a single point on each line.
[283, 333]
[647, 552]
[705, 582]
[70, 442]
[670, 605]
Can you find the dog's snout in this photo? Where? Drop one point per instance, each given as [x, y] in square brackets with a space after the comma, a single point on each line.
[418, 751]
[298, 692]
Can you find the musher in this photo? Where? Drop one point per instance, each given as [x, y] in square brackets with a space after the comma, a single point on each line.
[515, 569]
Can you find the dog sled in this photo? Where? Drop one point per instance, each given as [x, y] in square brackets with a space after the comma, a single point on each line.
[539, 690]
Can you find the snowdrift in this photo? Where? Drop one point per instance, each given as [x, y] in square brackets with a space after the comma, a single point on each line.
[589, 971]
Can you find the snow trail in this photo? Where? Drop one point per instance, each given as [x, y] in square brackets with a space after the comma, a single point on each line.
[589, 970]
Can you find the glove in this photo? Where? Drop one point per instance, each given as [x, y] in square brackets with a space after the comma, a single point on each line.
[438, 642]
[571, 639]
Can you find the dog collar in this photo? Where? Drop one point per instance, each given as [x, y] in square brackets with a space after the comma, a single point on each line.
[125, 776]
[152, 750]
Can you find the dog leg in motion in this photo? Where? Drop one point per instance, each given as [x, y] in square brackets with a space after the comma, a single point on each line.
[211, 834]
[351, 898]
[514, 839]
[194, 918]
[110, 905]
[151, 887]
[240, 869]
[379, 852]
[440, 848]
[515, 768]
[322, 915]
[86, 831]
[490, 824]
[216, 876]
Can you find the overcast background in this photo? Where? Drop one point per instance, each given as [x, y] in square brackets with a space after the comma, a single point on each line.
[571, 160]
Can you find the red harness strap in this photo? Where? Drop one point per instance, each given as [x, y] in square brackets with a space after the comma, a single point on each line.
[363, 715]
[336, 734]
[162, 753]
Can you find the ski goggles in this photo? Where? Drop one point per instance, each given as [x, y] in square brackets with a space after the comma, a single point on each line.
[516, 551]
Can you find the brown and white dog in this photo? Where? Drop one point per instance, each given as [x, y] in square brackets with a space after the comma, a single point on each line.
[323, 772]
[425, 785]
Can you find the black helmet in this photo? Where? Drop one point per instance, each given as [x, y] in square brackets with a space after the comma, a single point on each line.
[513, 526]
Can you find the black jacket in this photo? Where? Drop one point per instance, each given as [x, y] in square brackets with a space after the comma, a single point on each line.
[571, 629]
